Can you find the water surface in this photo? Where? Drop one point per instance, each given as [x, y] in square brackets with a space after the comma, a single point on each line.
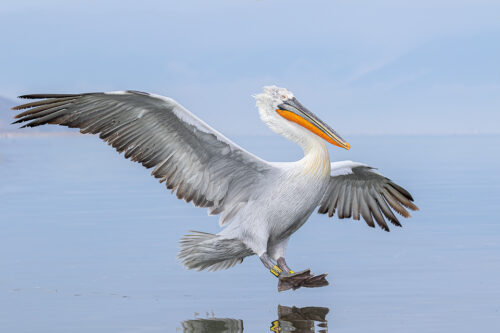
[88, 242]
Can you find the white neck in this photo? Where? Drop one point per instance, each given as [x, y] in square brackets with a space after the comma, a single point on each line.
[316, 158]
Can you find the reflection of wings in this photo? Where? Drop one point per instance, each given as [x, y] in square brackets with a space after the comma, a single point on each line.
[191, 157]
[213, 325]
[356, 189]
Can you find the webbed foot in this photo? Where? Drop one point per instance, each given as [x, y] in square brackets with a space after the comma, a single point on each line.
[301, 279]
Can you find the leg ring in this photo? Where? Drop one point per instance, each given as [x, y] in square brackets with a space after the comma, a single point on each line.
[276, 271]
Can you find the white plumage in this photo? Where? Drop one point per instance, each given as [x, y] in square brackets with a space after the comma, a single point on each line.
[260, 203]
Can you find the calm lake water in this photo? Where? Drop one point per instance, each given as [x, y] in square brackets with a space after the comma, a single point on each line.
[88, 243]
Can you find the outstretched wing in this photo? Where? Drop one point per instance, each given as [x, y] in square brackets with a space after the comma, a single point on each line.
[355, 190]
[191, 157]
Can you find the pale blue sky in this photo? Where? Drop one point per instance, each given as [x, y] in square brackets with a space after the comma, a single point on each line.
[363, 66]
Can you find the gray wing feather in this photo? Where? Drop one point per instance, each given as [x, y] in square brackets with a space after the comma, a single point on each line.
[356, 190]
[375, 192]
[365, 210]
[355, 204]
[193, 159]
[348, 201]
[341, 200]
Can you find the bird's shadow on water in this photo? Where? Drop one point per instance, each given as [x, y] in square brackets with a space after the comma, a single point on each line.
[290, 319]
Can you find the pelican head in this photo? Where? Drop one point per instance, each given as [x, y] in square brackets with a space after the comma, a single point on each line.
[285, 115]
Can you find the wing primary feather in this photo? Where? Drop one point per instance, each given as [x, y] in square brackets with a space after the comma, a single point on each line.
[401, 198]
[365, 211]
[40, 108]
[348, 200]
[394, 204]
[42, 113]
[372, 204]
[384, 207]
[355, 203]
[335, 196]
[402, 190]
[340, 204]
[42, 102]
[45, 119]
[38, 96]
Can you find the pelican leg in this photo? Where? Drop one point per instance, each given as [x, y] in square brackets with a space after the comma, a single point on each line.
[288, 279]
[282, 264]
[268, 262]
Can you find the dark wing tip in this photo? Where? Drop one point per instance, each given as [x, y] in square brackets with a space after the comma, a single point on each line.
[46, 99]
[39, 96]
[322, 210]
[394, 221]
[402, 191]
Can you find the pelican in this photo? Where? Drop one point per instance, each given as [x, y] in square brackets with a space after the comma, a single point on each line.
[260, 204]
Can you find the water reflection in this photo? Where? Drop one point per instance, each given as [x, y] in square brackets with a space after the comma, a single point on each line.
[213, 325]
[290, 319]
[307, 319]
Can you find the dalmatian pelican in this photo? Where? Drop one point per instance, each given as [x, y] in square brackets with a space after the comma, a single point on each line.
[260, 204]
